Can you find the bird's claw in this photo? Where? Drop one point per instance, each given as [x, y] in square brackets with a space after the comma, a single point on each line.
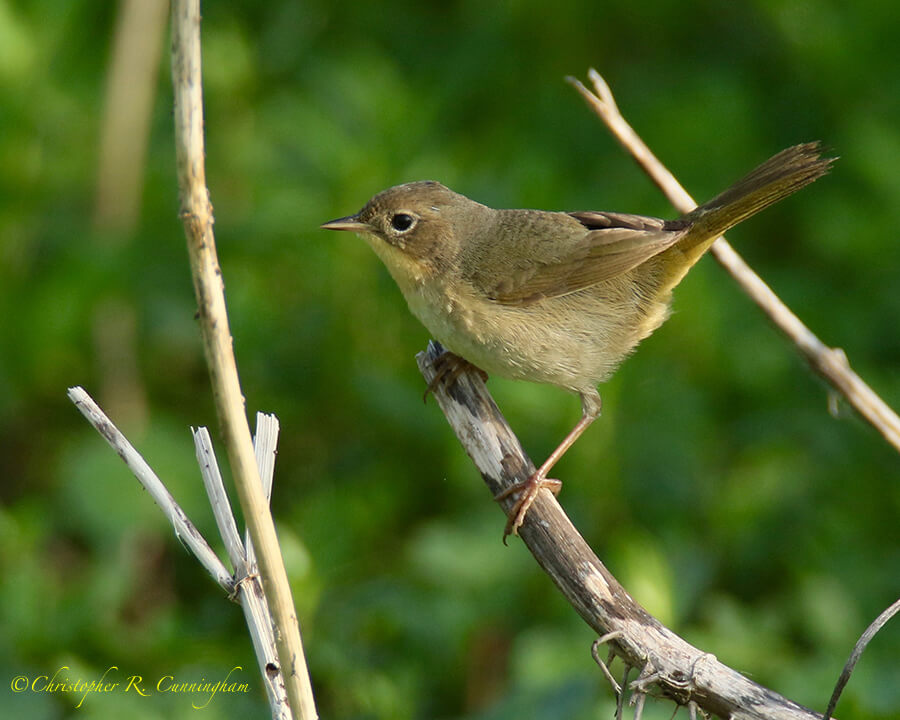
[447, 368]
[529, 489]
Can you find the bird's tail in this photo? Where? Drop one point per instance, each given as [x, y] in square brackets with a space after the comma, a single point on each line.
[778, 177]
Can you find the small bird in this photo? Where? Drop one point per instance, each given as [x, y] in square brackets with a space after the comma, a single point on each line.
[552, 297]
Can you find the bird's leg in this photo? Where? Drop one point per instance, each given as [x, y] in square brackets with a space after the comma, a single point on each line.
[590, 410]
[448, 367]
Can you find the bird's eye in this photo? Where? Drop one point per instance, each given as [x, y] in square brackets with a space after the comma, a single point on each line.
[401, 222]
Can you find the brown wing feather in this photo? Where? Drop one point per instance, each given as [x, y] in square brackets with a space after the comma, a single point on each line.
[614, 244]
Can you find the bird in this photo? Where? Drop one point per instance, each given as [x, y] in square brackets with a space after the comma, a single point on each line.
[560, 298]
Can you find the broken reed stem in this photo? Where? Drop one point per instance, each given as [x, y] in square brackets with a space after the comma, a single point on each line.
[196, 211]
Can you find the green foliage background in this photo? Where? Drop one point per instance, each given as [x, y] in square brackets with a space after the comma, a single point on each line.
[716, 486]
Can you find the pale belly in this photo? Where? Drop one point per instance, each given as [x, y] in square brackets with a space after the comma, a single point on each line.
[573, 342]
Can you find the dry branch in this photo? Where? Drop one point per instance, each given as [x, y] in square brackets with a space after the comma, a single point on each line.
[667, 663]
[185, 530]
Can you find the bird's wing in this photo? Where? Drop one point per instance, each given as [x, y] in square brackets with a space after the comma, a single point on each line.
[613, 244]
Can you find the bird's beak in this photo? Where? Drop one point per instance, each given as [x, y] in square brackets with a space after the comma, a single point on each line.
[351, 222]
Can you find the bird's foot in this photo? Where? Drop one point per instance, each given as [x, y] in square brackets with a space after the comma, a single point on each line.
[529, 490]
[447, 368]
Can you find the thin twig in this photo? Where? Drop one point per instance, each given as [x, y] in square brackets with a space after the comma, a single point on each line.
[264, 444]
[830, 363]
[218, 498]
[185, 530]
[196, 212]
[604, 665]
[861, 644]
[620, 701]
